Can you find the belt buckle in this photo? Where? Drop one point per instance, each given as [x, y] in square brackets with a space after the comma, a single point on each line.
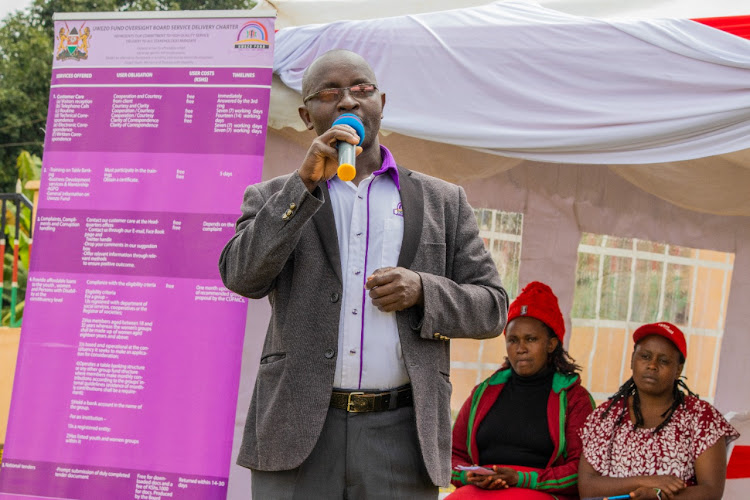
[349, 401]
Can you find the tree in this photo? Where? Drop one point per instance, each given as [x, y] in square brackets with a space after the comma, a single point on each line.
[25, 69]
[26, 43]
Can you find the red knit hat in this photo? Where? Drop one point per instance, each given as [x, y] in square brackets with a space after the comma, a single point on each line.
[666, 330]
[537, 301]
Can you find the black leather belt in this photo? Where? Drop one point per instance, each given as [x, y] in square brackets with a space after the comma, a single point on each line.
[360, 402]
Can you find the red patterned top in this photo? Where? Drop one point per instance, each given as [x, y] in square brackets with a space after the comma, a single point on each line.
[625, 452]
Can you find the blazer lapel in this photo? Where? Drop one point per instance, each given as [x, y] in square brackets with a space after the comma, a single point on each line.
[412, 203]
[326, 226]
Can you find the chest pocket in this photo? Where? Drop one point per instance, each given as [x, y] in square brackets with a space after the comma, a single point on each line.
[393, 234]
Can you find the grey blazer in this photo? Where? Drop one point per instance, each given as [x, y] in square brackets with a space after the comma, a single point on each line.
[286, 248]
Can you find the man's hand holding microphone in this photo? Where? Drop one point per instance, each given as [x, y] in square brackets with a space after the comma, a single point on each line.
[334, 152]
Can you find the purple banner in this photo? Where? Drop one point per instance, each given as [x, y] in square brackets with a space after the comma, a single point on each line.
[129, 363]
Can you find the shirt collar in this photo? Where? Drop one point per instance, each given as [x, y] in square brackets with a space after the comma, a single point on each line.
[388, 165]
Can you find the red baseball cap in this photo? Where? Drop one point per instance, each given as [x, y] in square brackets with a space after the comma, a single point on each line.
[666, 330]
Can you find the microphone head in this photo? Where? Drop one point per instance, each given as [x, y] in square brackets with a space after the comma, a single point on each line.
[354, 122]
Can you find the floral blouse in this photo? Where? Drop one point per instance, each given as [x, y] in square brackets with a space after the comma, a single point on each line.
[622, 451]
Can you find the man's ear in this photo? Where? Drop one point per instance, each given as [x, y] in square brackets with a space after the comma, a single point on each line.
[382, 104]
[305, 115]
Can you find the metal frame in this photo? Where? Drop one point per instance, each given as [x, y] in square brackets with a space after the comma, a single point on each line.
[19, 200]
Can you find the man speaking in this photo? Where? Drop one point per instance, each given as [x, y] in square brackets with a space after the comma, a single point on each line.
[368, 280]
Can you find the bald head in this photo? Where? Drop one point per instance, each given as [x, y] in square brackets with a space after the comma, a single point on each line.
[317, 74]
[342, 69]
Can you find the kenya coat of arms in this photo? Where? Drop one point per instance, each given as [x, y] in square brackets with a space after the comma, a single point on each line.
[73, 43]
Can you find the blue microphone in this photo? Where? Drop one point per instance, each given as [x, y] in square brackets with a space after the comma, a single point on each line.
[348, 152]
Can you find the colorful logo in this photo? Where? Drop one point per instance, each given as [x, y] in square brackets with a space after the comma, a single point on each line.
[252, 35]
[73, 43]
[399, 210]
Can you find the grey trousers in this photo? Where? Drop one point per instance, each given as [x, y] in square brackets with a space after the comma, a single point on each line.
[359, 456]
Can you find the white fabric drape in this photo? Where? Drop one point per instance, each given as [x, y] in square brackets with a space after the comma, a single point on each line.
[519, 80]
[298, 12]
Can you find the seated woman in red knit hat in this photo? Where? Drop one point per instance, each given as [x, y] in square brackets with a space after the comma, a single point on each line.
[521, 424]
[651, 440]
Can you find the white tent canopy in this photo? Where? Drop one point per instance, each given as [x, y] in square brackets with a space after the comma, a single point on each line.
[290, 13]
[518, 80]
[515, 79]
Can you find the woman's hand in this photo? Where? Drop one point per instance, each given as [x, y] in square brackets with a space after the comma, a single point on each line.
[487, 482]
[510, 476]
[659, 487]
[646, 493]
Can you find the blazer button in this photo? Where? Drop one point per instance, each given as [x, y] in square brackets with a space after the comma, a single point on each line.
[334, 297]
[329, 353]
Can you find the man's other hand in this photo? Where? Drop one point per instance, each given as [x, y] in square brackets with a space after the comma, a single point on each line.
[395, 289]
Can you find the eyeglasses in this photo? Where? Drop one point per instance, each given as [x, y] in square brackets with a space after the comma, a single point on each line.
[359, 91]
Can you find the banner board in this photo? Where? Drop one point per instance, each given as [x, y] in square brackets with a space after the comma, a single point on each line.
[129, 362]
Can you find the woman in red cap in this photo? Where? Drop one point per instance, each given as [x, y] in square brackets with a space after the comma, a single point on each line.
[521, 424]
[651, 440]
